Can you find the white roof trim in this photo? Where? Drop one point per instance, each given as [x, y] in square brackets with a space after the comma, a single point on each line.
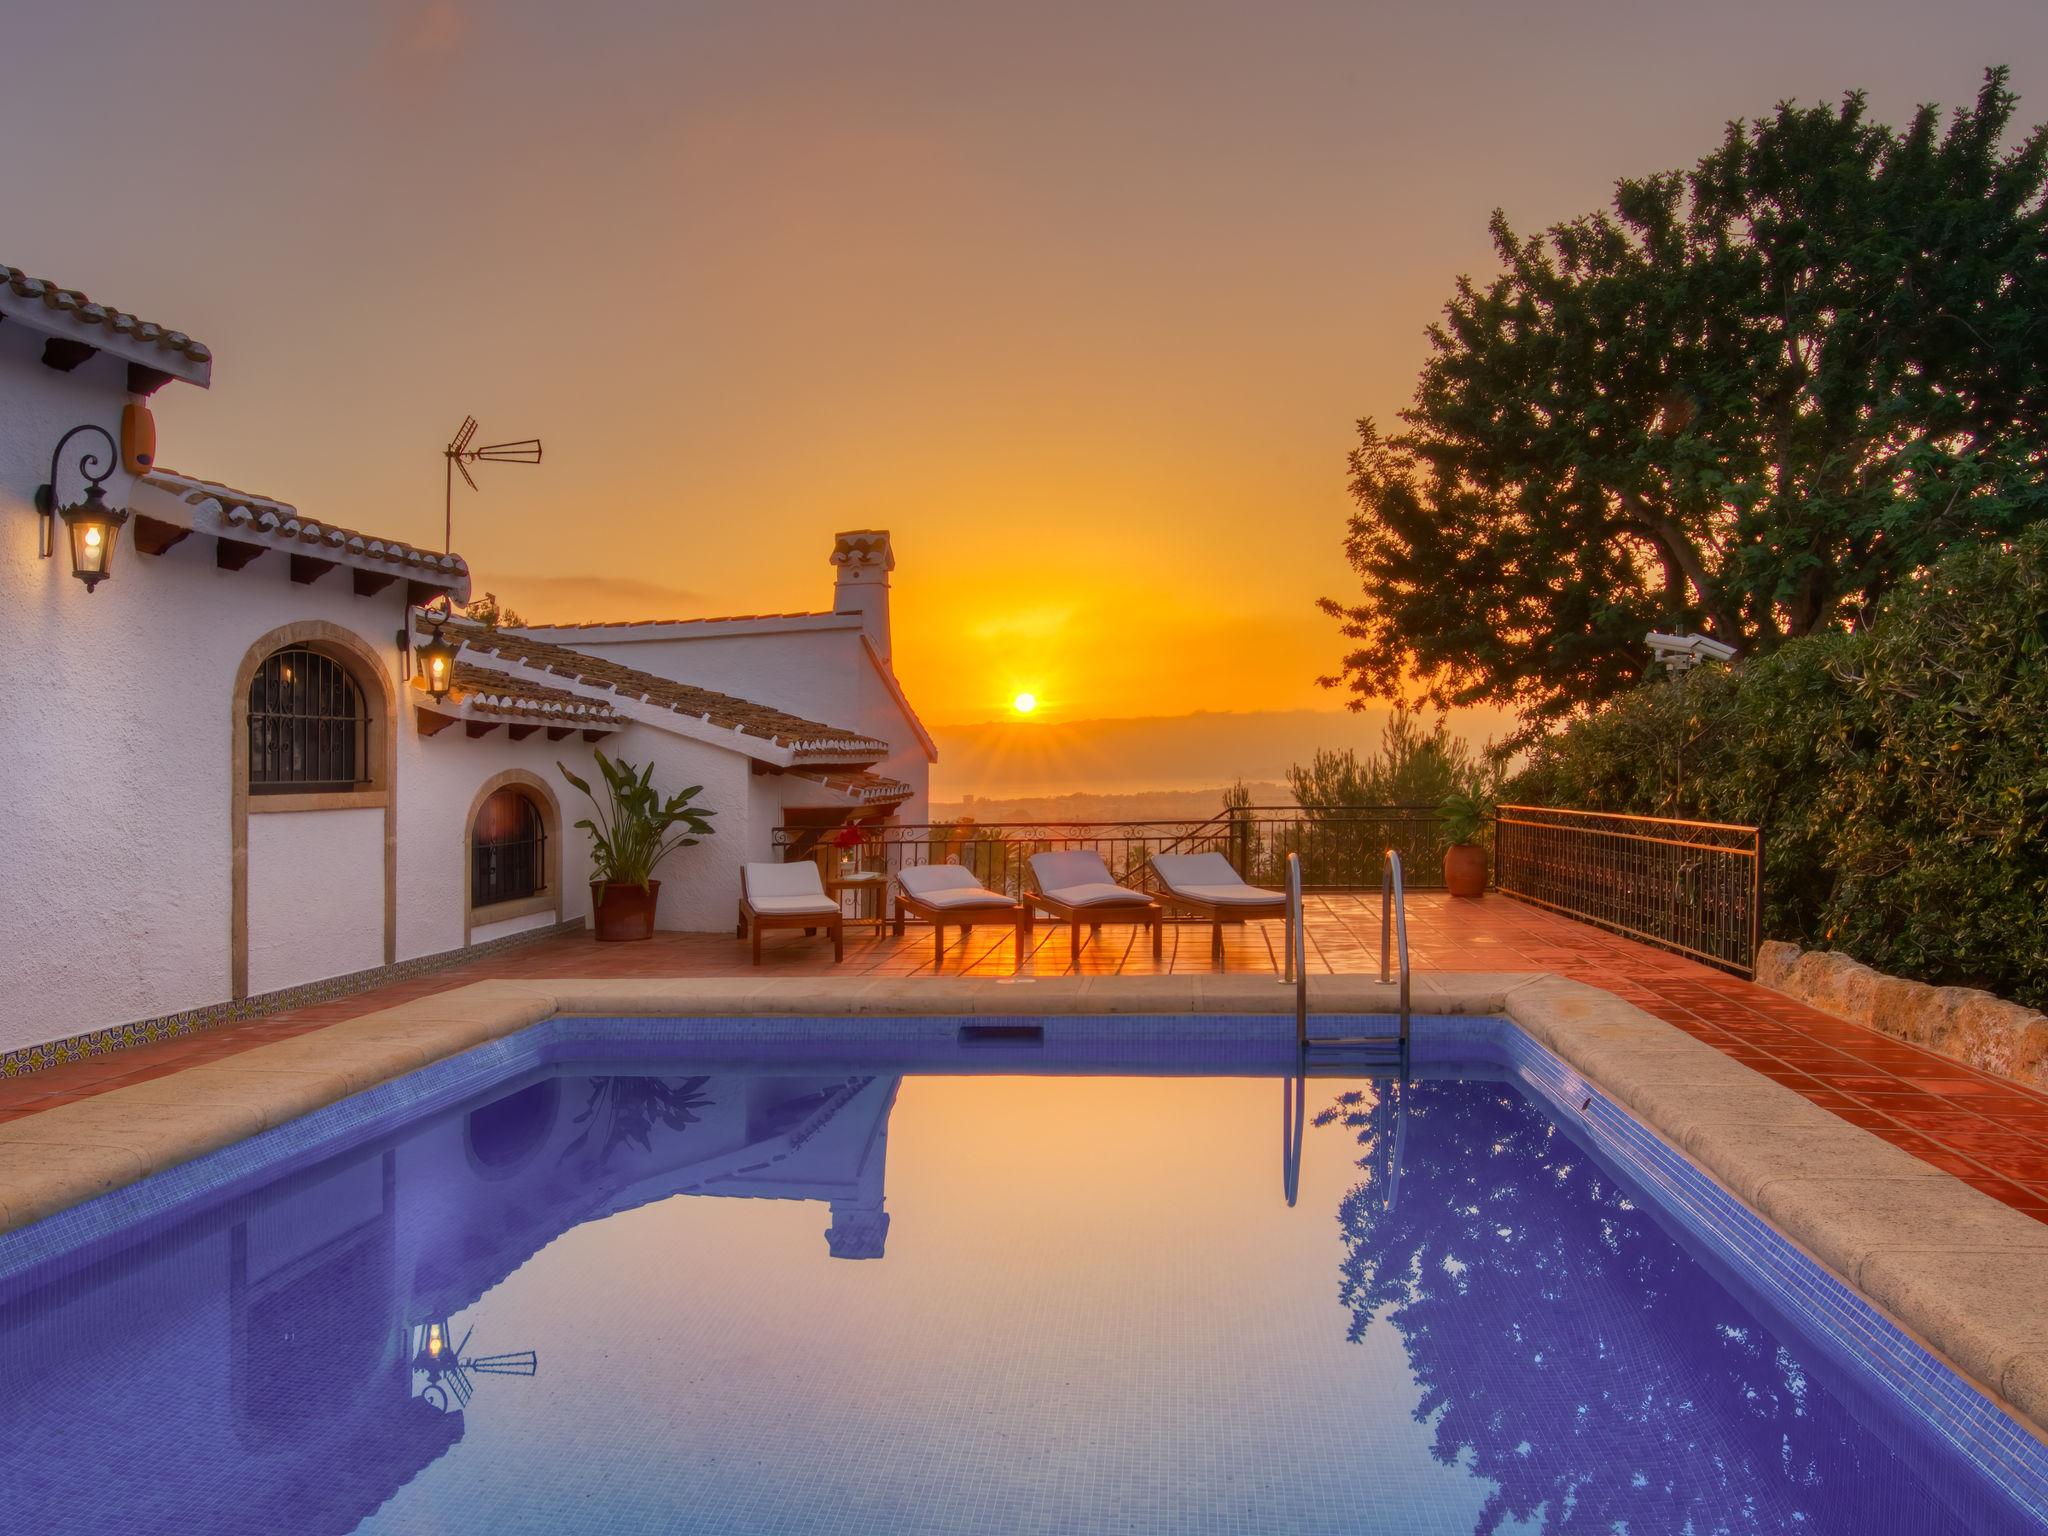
[888, 676]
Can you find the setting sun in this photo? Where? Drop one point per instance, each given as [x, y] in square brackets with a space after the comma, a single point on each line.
[1024, 703]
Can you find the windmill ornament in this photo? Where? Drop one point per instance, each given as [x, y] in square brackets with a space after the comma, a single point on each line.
[445, 1376]
[463, 451]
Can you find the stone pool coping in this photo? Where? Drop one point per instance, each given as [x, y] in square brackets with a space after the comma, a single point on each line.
[1954, 1267]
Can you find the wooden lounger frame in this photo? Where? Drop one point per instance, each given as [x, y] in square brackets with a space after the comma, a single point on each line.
[1217, 913]
[1013, 914]
[834, 922]
[1143, 913]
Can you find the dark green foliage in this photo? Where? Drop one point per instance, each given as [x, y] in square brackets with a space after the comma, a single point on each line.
[1412, 766]
[1749, 400]
[491, 613]
[1900, 774]
[1353, 809]
[635, 828]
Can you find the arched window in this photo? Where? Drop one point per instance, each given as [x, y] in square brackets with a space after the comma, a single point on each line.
[508, 849]
[309, 729]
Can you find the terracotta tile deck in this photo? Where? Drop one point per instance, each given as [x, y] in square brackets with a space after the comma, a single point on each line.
[1989, 1132]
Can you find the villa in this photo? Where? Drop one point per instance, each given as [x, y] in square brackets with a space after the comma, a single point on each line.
[236, 788]
[348, 1183]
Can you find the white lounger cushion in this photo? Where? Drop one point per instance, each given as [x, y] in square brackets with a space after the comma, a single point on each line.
[793, 906]
[959, 899]
[792, 889]
[948, 885]
[1209, 877]
[1078, 877]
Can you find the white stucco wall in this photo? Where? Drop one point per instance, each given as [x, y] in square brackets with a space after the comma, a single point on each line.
[439, 777]
[316, 895]
[700, 886]
[109, 911]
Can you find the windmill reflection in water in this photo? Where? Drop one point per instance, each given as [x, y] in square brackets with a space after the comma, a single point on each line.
[442, 1372]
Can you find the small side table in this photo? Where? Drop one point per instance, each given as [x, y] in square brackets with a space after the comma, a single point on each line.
[862, 884]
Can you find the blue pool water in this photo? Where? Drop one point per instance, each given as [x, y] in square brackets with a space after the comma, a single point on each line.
[649, 1276]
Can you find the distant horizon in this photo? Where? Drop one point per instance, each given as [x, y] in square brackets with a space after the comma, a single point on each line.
[1163, 754]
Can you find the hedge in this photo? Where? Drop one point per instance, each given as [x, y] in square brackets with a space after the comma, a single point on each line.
[1900, 773]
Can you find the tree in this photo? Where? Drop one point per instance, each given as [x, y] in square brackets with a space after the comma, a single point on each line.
[1412, 767]
[1354, 809]
[1749, 400]
[492, 614]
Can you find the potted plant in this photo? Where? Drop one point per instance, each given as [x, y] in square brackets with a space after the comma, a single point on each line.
[1465, 814]
[634, 831]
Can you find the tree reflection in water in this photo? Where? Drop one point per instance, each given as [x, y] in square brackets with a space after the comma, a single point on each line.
[627, 1111]
[1571, 1353]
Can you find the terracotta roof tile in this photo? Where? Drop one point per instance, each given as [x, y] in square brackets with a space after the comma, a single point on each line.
[241, 512]
[490, 692]
[864, 788]
[69, 301]
[806, 740]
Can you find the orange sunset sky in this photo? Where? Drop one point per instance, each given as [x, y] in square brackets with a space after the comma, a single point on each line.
[1079, 300]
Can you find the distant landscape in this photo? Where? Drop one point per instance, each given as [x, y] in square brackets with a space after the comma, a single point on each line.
[1139, 805]
[1158, 766]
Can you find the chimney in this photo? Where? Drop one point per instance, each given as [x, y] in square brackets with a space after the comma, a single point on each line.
[864, 561]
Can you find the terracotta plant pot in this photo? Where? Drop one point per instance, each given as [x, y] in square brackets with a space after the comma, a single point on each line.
[1465, 869]
[622, 912]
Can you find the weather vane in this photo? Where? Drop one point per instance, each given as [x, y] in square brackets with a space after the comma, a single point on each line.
[460, 455]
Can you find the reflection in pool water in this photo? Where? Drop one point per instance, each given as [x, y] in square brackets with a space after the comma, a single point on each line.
[1568, 1351]
[1094, 1311]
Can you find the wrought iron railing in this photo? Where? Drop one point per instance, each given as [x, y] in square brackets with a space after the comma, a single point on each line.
[1341, 848]
[1691, 886]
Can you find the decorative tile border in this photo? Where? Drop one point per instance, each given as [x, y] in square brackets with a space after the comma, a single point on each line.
[26, 1059]
[1853, 1337]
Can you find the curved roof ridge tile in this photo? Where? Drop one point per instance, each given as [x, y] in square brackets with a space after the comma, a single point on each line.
[74, 303]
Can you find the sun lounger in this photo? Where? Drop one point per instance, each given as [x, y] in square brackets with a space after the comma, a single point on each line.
[1208, 885]
[1077, 887]
[946, 894]
[788, 896]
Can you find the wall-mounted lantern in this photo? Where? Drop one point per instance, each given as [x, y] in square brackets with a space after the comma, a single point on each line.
[91, 526]
[437, 654]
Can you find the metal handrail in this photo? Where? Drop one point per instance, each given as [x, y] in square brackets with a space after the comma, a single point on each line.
[1296, 964]
[1669, 821]
[1394, 925]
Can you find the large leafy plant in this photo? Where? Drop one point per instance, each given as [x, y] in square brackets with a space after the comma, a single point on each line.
[635, 828]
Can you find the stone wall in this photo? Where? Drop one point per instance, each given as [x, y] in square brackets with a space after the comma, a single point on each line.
[1971, 1026]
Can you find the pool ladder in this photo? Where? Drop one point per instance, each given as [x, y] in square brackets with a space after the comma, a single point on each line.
[1393, 953]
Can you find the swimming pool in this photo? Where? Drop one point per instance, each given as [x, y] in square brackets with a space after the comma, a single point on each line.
[634, 1275]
